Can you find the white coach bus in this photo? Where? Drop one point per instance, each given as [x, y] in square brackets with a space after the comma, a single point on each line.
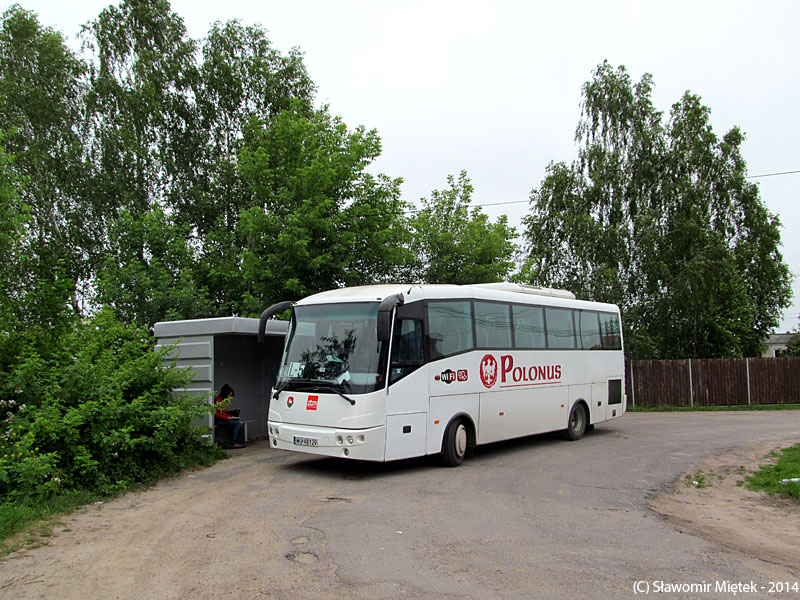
[388, 372]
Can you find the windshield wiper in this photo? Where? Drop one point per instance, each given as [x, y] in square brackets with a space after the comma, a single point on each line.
[315, 385]
[277, 391]
[334, 387]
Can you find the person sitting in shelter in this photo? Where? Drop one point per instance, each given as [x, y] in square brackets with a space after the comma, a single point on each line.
[226, 419]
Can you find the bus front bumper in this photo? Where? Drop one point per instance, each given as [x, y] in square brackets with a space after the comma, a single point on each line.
[360, 444]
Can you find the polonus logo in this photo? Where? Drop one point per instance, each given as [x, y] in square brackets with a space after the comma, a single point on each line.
[521, 375]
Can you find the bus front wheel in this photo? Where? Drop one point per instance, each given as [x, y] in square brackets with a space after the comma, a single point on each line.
[454, 445]
[576, 425]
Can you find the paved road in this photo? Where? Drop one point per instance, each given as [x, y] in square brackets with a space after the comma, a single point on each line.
[532, 518]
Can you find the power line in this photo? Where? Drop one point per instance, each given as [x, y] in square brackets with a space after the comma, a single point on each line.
[772, 174]
[413, 210]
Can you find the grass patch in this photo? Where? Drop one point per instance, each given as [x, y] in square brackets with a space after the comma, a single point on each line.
[786, 465]
[700, 480]
[23, 524]
[737, 407]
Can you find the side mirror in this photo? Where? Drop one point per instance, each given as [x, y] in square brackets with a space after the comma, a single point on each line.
[268, 314]
[385, 316]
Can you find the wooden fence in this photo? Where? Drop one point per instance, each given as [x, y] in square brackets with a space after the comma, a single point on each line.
[713, 382]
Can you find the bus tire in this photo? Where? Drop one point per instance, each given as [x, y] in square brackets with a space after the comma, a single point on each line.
[576, 425]
[455, 443]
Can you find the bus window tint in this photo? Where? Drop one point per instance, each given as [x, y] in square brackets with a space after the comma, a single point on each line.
[407, 354]
[560, 328]
[610, 331]
[529, 327]
[449, 328]
[492, 325]
[407, 345]
[590, 330]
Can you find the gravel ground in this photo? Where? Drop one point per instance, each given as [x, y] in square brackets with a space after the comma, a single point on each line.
[532, 518]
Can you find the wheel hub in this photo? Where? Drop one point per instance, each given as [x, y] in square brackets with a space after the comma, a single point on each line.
[461, 440]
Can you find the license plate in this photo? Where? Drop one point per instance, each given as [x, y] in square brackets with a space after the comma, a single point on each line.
[306, 441]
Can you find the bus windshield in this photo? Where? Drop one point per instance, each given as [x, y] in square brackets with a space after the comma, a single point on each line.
[333, 347]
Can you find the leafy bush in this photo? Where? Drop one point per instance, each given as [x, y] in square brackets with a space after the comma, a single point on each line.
[94, 411]
[793, 347]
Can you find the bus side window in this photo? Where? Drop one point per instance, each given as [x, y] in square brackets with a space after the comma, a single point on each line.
[492, 325]
[590, 330]
[529, 327]
[450, 326]
[407, 353]
[560, 328]
[610, 331]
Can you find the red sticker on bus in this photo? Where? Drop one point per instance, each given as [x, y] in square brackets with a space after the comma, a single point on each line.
[312, 403]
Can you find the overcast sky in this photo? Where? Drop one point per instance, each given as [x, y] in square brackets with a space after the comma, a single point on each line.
[494, 87]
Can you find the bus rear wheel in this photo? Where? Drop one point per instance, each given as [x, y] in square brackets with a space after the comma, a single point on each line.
[576, 425]
[455, 443]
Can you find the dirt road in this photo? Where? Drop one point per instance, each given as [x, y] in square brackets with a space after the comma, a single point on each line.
[538, 517]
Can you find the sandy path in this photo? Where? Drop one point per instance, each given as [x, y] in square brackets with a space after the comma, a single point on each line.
[135, 546]
[754, 523]
[535, 518]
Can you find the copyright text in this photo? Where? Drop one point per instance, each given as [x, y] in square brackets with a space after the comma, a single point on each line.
[734, 588]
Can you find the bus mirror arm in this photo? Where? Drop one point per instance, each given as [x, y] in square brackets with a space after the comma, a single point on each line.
[268, 314]
[385, 315]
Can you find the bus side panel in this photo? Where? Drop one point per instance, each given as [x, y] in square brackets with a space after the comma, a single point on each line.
[442, 410]
[410, 394]
[407, 416]
[405, 435]
[527, 411]
[599, 401]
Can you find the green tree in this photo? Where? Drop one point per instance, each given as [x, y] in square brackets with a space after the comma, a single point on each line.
[453, 244]
[167, 137]
[145, 131]
[13, 216]
[241, 77]
[42, 100]
[657, 216]
[140, 103]
[320, 221]
[793, 347]
[158, 284]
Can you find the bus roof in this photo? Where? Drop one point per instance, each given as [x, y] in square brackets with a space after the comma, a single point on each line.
[504, 292]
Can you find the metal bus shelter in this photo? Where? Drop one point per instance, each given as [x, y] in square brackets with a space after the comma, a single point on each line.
[226, 350]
